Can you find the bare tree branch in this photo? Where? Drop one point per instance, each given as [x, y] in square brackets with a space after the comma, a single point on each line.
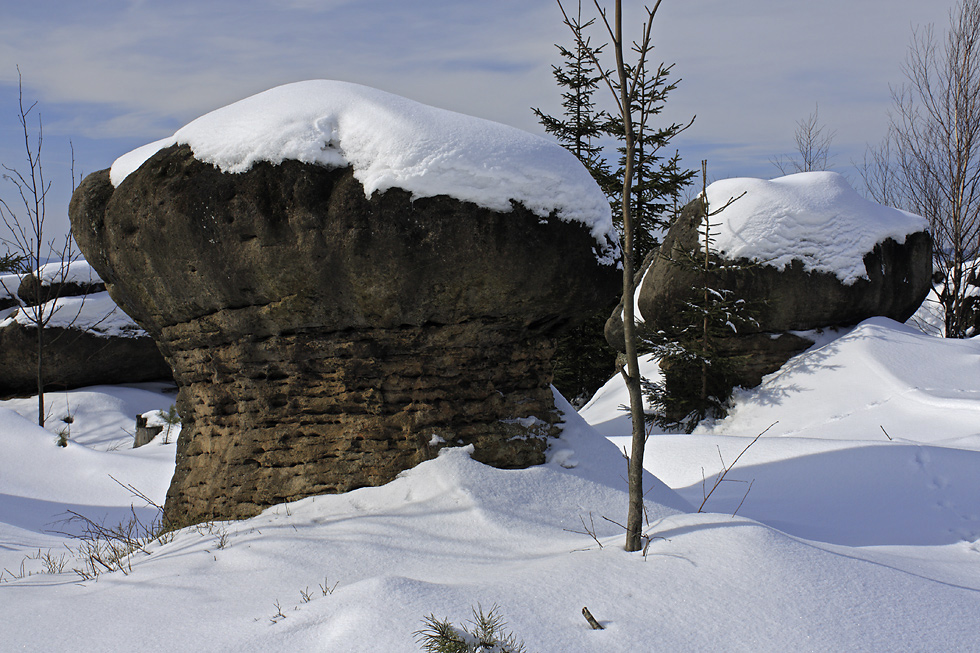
[25, 237]
[929, 163]
[812, 145]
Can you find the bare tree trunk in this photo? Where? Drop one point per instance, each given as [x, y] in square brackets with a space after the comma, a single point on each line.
[634, 516]
[625, 89]
[40, 376]
[26, 238]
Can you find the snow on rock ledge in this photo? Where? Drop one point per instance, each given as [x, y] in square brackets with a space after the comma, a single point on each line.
[813, 217]
[394, 142]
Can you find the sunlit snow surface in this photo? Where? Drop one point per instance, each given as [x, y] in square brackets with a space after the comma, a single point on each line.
[76, 271]
[847, 541]
[872, 439]
[813, 217]
[394, 142]
[95, 313]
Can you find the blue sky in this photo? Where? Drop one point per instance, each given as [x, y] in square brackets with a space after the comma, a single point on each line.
[111, 75]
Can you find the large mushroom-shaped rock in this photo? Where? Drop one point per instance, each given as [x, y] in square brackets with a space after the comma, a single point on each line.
[345, 281]
[814, 255]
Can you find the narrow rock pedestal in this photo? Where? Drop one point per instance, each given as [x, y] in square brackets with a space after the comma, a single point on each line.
[295, 415]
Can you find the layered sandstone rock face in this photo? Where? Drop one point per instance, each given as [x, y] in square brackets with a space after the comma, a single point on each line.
[325, 340]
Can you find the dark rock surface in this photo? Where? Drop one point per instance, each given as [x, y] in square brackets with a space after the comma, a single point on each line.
[788, 299]
[8, 298]
[324, 341]
[74, 358]
[84, 349]
[31, 294]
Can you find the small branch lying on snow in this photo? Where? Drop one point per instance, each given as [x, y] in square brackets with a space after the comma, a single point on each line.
[884, 431]
[592, 620]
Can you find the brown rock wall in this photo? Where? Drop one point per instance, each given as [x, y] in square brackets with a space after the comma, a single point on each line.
[279, 418]
[320, 338]
[73, 358]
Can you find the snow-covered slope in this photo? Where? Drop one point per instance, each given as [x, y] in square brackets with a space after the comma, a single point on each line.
[872, 445]
[393, 142]
[880, 375]
[859, 544]
[813, 217]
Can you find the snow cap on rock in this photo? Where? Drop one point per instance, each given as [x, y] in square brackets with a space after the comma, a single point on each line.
[815, 217]
[394, 142]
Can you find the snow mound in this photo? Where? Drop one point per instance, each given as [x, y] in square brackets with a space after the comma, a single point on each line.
[359, 571]
[881, 377]
[39, 481]
[814, 217]
[393, 142]
[8, 285]
[78, 271]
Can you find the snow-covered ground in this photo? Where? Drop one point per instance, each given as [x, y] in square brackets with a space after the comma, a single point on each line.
[847, 540]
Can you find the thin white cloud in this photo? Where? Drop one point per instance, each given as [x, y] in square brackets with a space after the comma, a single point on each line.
[751, 68]
[158, 60]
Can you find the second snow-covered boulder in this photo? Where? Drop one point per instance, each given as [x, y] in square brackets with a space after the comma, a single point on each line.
[816, 255]
[345, 281]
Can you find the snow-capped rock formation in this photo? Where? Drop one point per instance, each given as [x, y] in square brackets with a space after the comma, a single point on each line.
[344, 282]
[87, 340]
[816, 255]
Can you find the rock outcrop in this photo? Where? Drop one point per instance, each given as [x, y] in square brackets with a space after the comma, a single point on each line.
[72, 280]
[323, 340]
[785, 300]
[86, 339]
[74, 358]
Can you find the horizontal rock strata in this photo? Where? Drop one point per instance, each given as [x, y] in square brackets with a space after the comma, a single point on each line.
[293, 415]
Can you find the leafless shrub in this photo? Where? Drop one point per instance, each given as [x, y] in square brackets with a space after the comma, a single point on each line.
[720, 478]
[102, 548]
[812, 145]
[278, 616]
[929, 162]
